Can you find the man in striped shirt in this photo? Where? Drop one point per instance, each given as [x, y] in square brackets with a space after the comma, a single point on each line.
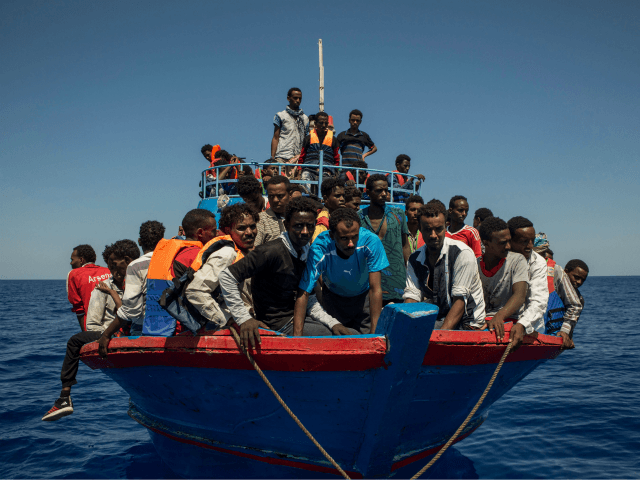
[458, 210]
[566, 283]
[353, 141]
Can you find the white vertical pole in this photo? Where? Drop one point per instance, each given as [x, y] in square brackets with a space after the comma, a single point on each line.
[321, 78]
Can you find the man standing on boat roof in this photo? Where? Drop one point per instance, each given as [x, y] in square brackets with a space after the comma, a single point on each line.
[389, 224]
[271, 223]
[238, 222]
[82, 279]
[275, 269]
[349, 259]
[290, 126]
[321, 139]
[444, 272]
[354, 141]
[505, 279]
[522, 236]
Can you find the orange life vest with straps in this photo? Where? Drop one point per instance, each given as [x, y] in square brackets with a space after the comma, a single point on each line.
[164, 255]
[400, 177]
[328, 138]
[197, 263]
[551, 265]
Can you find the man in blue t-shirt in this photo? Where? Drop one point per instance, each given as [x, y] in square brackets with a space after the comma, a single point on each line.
[349, 259]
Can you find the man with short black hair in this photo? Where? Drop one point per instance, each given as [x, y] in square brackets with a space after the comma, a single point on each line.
[271, 224]
[445, 272]
[250, 191]
[321, 139]
[332, 189]
[349, 260]
[290, 127]
[458, 210]
[505, 280]
[480, 215]
[353, 141]
[352, 198]
[566, 284]
[275, 269]
[412, 206]
[238, 222]
[402, 184]
[82, 279]
[106, 301]
[390, 225]
[522, 236]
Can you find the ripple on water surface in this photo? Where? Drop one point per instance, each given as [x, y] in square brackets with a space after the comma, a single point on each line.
[574, 417]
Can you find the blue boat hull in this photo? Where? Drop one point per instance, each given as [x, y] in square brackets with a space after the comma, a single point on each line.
[379, 404]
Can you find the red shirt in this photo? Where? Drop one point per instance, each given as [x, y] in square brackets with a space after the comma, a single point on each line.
[185, 257]
[80, 283]
[470, 236]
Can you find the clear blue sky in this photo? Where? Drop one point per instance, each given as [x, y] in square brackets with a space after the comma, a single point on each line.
[528, 108]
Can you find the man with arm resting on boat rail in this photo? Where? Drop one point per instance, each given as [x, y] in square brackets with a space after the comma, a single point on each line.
[505, 279]
[275, 269]
[444, 272]
[103, 306]
[349, 260]
[238, 222]
[535, 305]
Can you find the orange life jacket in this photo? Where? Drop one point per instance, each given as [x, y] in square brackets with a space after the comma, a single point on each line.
[328, 138]
[197, 263]
[164, 255]
[551, 265]
[400, 177]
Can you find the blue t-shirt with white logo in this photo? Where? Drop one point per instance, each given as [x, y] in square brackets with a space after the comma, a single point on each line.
[346, 277]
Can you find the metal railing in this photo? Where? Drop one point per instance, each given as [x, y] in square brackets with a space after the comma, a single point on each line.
[211, 183]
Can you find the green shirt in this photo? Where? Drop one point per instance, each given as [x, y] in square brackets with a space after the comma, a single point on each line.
[394, 277]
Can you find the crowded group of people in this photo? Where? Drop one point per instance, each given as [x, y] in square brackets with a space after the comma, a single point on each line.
[299, 264]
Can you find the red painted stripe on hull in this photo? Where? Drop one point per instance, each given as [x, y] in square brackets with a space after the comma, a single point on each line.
[273, 461]
[418, 456]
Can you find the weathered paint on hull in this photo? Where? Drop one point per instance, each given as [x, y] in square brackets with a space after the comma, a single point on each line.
[377, 404]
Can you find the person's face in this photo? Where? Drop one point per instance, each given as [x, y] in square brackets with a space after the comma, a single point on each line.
[404, 166]
[433, 232]
[278, 197]
[207, 155]
[354, 203]
[476, 222]
[322, 125]
[355, 121]
[499, 245]
[76, 261]
[270, 171]
[243, 233]
[522, 241]
[412, 212]
[207, 232]
[379, 193]
[301, 228]
[335, 199]
[346, 238]
[577, 276]
[295, 99]
[255, 202]
[458, 212]
[180, 230]
[362, 176]
[118, 268]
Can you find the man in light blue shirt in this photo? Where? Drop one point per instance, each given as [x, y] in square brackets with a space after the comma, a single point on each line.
[350, 260]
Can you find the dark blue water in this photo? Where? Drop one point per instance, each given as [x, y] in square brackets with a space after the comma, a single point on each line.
[575, 417]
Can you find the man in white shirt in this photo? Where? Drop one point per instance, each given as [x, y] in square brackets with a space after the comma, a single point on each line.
[535, 305]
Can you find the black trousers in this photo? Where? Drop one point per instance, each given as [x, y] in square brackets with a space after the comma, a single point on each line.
[72, 359]
[352, 312]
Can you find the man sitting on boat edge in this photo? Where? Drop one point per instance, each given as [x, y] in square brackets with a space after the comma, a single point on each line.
[445, 272]
[349, 259]
[275, 269]
[239, 223]
[505, 280]
[118, 257]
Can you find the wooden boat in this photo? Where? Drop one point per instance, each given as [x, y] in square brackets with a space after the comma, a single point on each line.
[379, 404]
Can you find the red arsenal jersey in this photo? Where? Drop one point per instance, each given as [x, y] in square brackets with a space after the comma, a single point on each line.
[80, 283]
[469, 236]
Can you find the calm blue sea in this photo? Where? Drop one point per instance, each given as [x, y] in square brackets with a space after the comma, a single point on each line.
[575, 417]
